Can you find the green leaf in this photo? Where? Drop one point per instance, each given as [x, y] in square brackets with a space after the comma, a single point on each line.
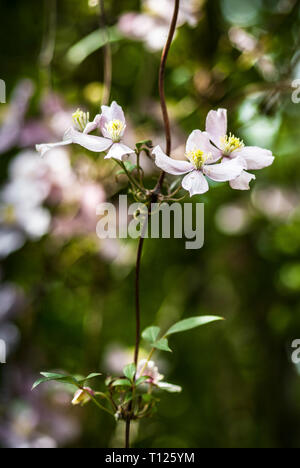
[129, 166]
[192, 322]
[89, 377]
[49, 376]
[121, 383]
[141, 380]
[150, 334]
[162, 344]
[129, 371]
[89, 44]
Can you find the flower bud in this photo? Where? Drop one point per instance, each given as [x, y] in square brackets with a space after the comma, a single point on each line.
[82, 396]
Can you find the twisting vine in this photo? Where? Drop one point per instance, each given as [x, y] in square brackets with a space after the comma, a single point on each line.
[107, 56]
[156, 191]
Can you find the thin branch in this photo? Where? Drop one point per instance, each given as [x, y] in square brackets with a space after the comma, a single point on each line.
[107, 57]
[162, 90]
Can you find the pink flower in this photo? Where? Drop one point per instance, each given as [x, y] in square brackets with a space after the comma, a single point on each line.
[202, 156]
[112, 125]
[230, 148]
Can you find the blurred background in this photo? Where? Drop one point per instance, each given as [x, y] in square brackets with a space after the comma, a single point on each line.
[66, 298]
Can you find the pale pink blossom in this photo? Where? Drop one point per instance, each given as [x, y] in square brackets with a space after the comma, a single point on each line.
[201, 161]
[112, 124]
[152, 25]
[231, 148]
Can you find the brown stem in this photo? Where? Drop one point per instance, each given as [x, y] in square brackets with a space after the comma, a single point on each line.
[137, 299]
[107, 57]
[127, 435]
[156, 191]
[162, 95]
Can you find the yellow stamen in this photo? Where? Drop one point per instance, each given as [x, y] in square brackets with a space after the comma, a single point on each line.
[230, 143]
[115, 129]
[198, 158]
[80, 119]
[9, 214]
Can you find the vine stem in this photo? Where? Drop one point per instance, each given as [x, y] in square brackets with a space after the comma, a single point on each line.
[156, 191]
[107, 57]
[162, 95]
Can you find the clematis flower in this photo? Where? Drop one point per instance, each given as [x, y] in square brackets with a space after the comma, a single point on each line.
[149, 369]
[202, 157]
[112, 125]
[231, 147]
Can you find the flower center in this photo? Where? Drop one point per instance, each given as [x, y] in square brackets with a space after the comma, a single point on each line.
[115, 129]
[80, 119]
[230, 143]
[9, 214]
[198, 158]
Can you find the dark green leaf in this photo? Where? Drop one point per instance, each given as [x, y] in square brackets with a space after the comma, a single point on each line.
[141, 380]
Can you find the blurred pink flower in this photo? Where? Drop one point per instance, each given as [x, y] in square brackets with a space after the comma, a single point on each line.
[13, 121]
[152, 25]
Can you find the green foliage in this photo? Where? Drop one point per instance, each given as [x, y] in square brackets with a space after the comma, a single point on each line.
[192, 322]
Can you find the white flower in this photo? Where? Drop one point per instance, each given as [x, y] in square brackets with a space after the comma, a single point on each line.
[149, 369]
[112, 124]
[202, 156]
[231, 148]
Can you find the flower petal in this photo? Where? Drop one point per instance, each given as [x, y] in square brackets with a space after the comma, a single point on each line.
[224, 171]
[169, 165]
[255, 157]
[200, 140]
[118, 150]
[45, 147]
[242, 182]
[216, 125]
[195, 183]
[169, 387]
[90, 142]
[91, 126]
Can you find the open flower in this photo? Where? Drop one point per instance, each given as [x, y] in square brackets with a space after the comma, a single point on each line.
[231, 147]
[202, 156]
[82, 396]
[149, 369]
[112, 125]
